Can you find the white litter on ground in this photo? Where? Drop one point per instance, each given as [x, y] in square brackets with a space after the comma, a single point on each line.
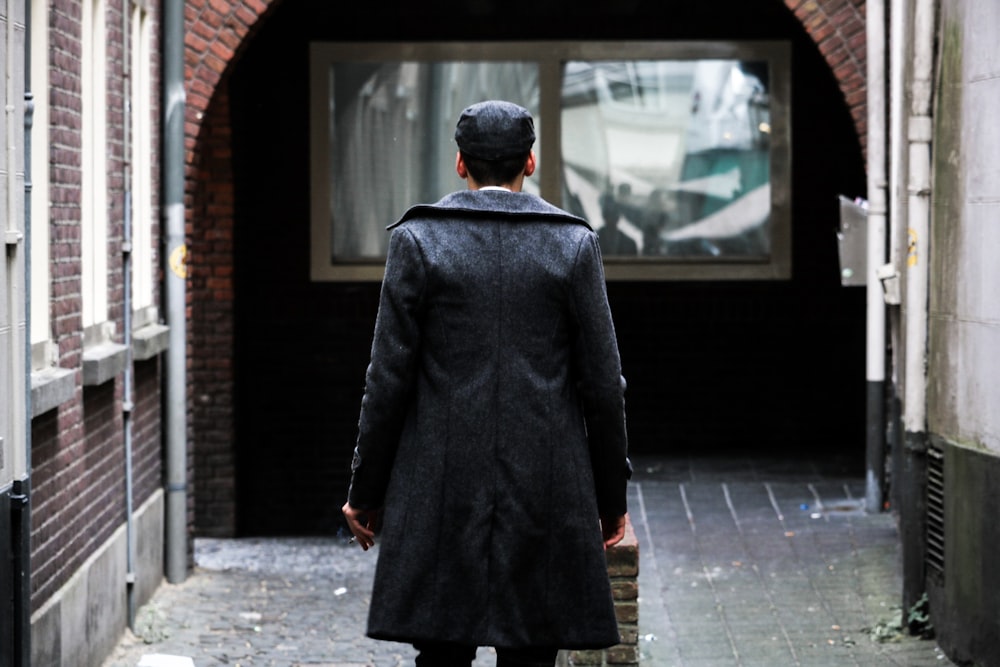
[163, 660]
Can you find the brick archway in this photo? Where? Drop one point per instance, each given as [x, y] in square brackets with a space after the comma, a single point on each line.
[216, 31]
[838, 29]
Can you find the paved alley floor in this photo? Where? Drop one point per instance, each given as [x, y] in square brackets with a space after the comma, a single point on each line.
[743, 563]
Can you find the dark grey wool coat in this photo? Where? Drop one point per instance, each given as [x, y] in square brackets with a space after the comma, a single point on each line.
[492, 428]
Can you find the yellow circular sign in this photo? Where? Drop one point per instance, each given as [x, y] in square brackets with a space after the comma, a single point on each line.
[178, 261]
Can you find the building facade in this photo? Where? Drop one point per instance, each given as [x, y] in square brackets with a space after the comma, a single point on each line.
[85, 390]
[959, 459]
[745, 342]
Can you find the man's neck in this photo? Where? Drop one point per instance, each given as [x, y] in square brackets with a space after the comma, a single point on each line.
[511, 187]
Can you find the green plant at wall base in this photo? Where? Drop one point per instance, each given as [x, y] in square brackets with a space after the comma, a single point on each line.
[890, 630]
[919, 618]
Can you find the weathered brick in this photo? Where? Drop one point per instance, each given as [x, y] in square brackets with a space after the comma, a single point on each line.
[624, 589]
[623, 654]
[623, 561]
[586, 658]
[627, 612]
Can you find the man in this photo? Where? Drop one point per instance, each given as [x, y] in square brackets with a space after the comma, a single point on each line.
[491, 450]
[613, 241]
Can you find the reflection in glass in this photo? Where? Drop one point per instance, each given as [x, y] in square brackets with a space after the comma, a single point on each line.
[391, 139]
[669, 158]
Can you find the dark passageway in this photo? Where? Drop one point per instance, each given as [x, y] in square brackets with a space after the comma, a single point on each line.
[770, 368]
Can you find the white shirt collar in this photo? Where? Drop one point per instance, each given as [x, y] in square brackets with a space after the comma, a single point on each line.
[495, 187]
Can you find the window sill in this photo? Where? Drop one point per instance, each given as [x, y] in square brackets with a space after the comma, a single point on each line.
[102, 363]
[51, 388]
[149, 341]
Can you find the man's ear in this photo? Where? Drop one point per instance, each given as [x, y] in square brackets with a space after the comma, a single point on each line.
[460, 168]
[530, 164]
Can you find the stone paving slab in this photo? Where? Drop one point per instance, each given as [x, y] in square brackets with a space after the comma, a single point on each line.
[742, 563]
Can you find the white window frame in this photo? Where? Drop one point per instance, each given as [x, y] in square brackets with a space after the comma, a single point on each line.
[142, 168]
[94, 179]
[42, 346]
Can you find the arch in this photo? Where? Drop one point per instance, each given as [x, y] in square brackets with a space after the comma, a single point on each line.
[838, 29]
[216, 29]
[216, 32]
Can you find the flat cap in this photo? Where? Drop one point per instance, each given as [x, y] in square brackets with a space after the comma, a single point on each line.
[495, 130]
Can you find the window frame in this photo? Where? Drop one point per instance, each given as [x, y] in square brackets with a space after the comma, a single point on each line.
[142, 153]
[42, 346]
[94, 180]
[550, 58]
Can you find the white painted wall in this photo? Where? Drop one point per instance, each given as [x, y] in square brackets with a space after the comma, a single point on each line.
[964, 359]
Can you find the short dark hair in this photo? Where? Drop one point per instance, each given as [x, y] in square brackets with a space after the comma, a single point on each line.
[495, 172]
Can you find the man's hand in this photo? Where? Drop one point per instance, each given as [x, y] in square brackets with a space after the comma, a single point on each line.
[612, 530]
[363, 523]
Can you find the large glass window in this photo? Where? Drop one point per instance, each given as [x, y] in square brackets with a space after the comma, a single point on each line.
[677, 153]
[669, 158]
[390, 139]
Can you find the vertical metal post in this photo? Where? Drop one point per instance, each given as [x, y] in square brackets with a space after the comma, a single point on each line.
[175, 290]
[919, 135]
[22, 488]
[875, 338]
[128, 402]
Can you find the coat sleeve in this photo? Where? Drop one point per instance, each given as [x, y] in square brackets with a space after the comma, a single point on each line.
[601, 385]
[390, 378]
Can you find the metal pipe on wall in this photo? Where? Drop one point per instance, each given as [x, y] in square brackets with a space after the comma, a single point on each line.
[175, 273]
[898, 50]
[21, 500]
[875, 330]
[917, 273]
[127, 379]
[909, 470]
[899, 43]
[919, 134]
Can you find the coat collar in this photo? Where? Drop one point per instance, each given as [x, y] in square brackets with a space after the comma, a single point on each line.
[496, 204]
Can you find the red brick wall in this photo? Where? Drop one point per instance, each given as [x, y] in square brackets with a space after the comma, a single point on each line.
[838, 28]
[211, 289]
[217, 31]
[214, 33]
[78, 474]
[146, 427]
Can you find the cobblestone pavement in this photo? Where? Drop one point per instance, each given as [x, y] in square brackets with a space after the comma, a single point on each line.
[743, 563]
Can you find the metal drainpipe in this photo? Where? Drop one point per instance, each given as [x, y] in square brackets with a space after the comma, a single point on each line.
[875, 337]
[127, 381]
[919, 135]
[898, 48]
[174, 291]
[21, 500]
